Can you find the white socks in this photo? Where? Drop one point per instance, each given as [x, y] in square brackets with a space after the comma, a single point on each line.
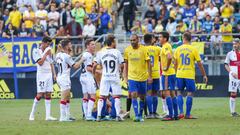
[100, 106]
[90, 107]
[85, 106]
[35, 103]
[62, 109]
[117, 105]
[48, 107]
[164, 106]
[232, 104]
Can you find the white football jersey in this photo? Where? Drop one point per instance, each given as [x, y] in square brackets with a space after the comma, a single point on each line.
[64, 64]
[88, 60]
[233, 60]
[110, 59]
[46, 66]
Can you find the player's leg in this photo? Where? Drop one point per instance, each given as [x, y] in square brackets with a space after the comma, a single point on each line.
[35, 103]
[232, 88]
[142, 92]
[149, 101]
[85, 97]
[180, 86]
[155, 90]
[92, 94]
[117, 92]
[128, 103]
[133, 90]
[68, 108]
[63, 105]
[191, 88]
[172, 80]
[165, 83]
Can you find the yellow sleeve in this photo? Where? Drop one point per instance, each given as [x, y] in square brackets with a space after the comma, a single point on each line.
[168, 50]
[125, 55]
[175, 54]
[146, 54]
[196, 55]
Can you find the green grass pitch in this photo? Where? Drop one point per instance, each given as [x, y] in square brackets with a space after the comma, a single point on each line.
[213, 113]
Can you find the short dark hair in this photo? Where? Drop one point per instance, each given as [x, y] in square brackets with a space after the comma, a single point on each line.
[65, 42]
[46, 39]
[187, 36]
[148, 38]
[110, 40]
[87, 42]
[165, 35]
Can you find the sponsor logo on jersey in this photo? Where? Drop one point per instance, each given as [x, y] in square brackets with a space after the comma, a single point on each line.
[5, 92]
[203, 86]
[57, 92]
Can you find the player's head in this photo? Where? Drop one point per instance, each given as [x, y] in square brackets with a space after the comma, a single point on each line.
[134, 40]
[163, 37]
[148, 38]
[66, 45]
[111, 41]
[236, 44]
[187, 37]
[90, 45]
[46, 41]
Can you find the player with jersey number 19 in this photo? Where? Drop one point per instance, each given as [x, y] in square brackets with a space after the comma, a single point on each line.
[185, 57]
[45, 70]
[232, 65]
[64, 64]
[112, 62]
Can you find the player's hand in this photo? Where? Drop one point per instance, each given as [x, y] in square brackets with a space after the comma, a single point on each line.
[234, 75]
[205, 79]
[150, 80]
[48, 52]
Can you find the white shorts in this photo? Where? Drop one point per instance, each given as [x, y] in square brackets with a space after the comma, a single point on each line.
[88, 85]
[64, 83]
[234, 84]
[106, 85]
[44, 82]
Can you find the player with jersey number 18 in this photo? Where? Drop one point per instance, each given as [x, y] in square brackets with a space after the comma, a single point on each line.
[232, 65]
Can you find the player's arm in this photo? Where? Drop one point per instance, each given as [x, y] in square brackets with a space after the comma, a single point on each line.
[169, 61]
[79, 63]
[125, 70]
[94, 68]
[40, 61]
[149, 71]
[200, 65]
[54, 72]
[227, 67]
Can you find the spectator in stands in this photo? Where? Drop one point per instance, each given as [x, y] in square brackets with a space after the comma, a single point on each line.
[208, 25]
[179, 12]
[68, 13]
[238, 29]
[89, 29]
[183, 26]
[177, 36]
[89, 4]
[73, 28]
[104, 21]
[106, 4]
[9, 31]
[151, 15]
[15, 17]
[226, 28]
[212, 11]
[237, 15]
[164, 15]
[195, 26]
[23, 32]
[80, 1]
[181, 3]
[78, 13]
[29, 18]
[51, 29]
[171, 26]
[53, 15]
[5, 18]
[201, 12]
[216, 23]
[188, 14]
[216, 42]
[138, 28]
[61, 32]
[129, 8]
[23, 5]
[93, 16]
[38, 29]
[172, 13]
[226, 10]
[42, 15]
[62, 14]
[148, 25]
[217, 3]
[8, 4]
[1, 23]
[158, 28]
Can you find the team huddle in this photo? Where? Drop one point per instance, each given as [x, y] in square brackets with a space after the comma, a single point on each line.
[147, 69]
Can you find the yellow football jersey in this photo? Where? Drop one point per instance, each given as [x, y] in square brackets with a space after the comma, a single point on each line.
[137, 63]
[185, 56]
[166, 49]
[154, 54]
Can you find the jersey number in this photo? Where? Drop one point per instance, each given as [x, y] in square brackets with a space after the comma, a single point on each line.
[185, 59]
[152, 60]
[110, 65]
[60, 69]
[83, 69]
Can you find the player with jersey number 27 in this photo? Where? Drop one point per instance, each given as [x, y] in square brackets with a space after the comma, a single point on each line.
[64, 64]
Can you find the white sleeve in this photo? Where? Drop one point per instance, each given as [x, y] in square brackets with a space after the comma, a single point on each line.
[36, 55]
[89, 60]
[120, 58]
[69, 61]
[98, 58]
[227, 60]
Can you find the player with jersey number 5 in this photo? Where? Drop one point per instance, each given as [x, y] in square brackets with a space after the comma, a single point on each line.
[112, 62]
[64, 63]
[185, 57]
[232, 65]
[45, 72]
